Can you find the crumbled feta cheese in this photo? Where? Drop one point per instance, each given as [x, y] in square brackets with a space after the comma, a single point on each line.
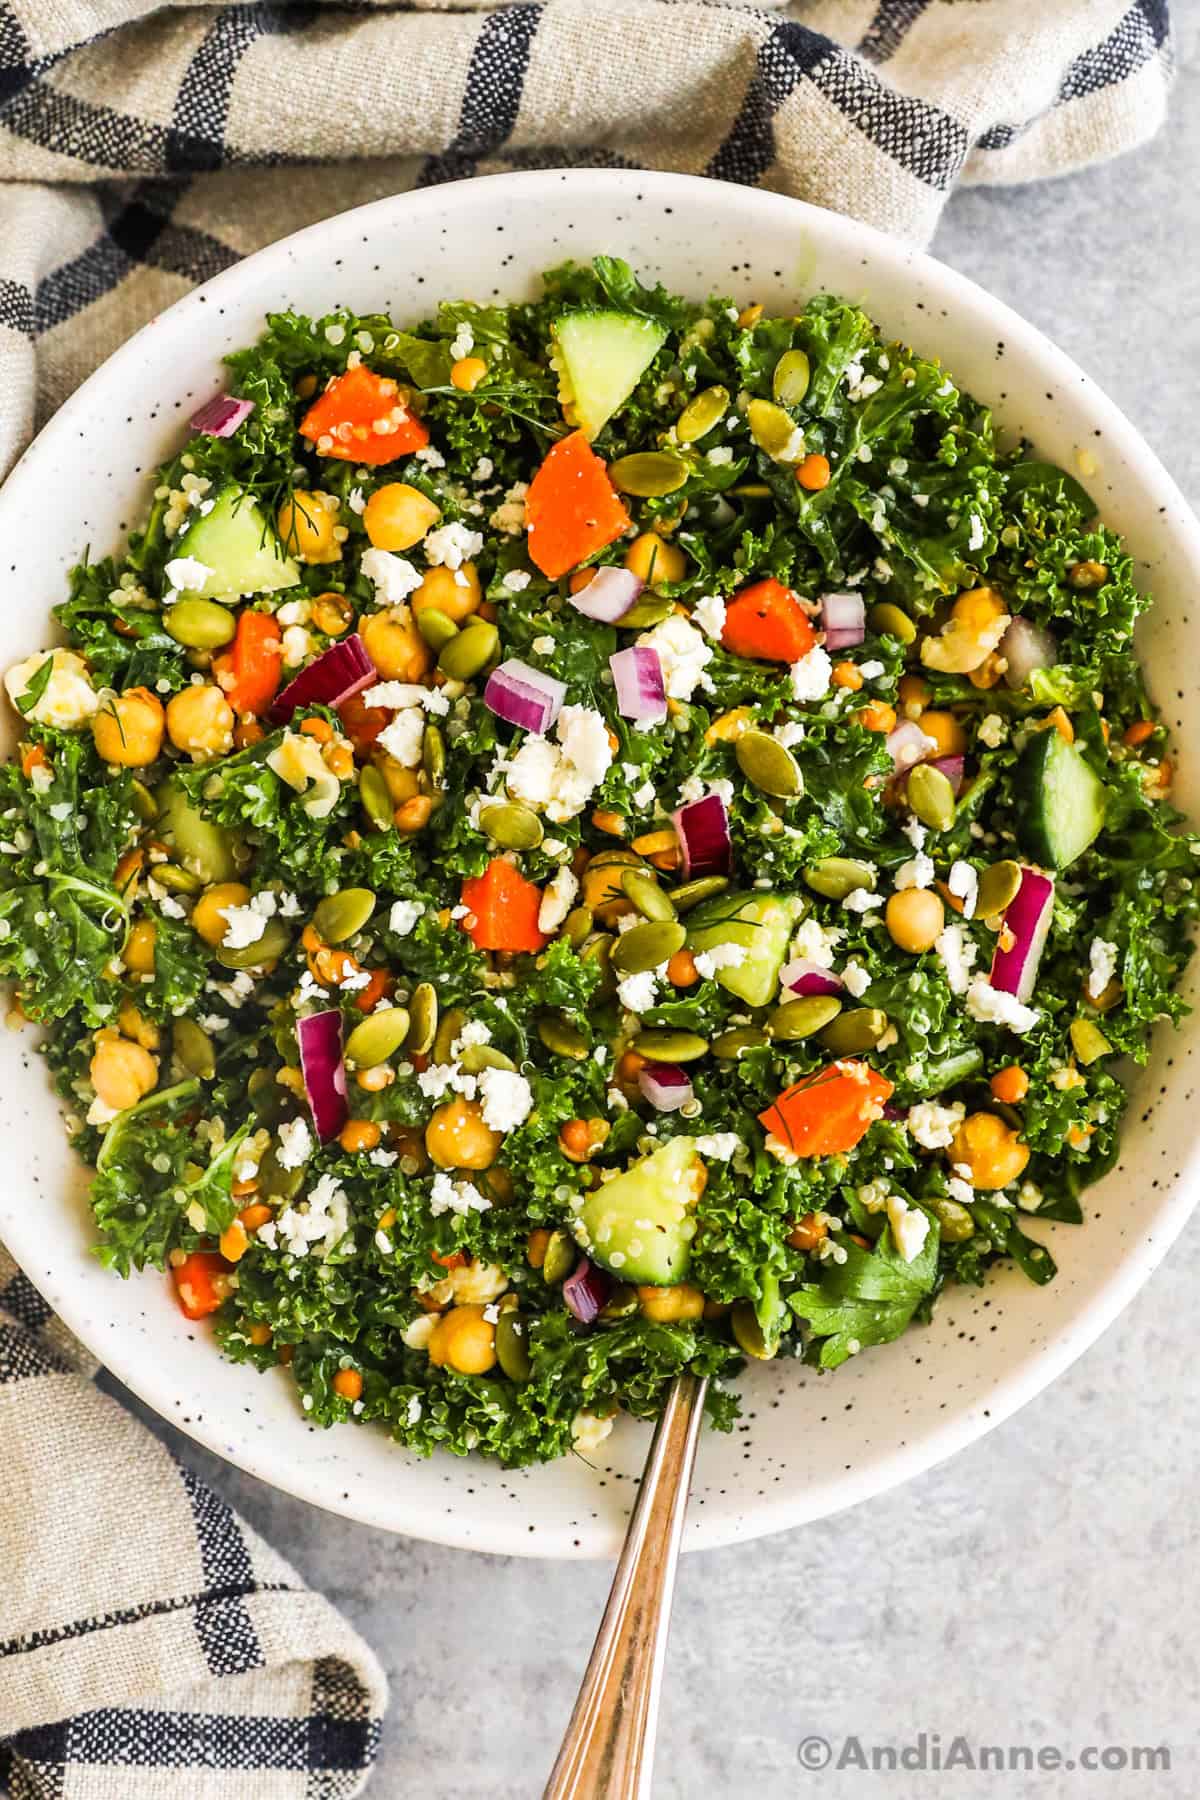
[683, 653]
[517, 580]
[397, 695]
[558, 897]
[816, 943]
[1102, 957]
[509, 517]
[956, 952]
[861, 900]
[721, 956]
[918, 872]
[405, 737]
[910, 1226]
[319, 1223]
[992, 730]
[588, 1431]
[963, 882]
[507, 1099]
[295, 1143]
[810, 676]
[992, 1007]
[975, 541]
[915, 832]
[440, 1079]
[187, 572]
[856, 979]
[871, 671]
[356, 501]
[709, 614]
[484, 469]
[789, 734]
[562, 778]
[430, 456]
[404, 915]
[638, 992]
[720, 455]
[393, 577]
[452, 545]
[295, 646]
[244, 925]
[720, 1145]
[461, 1197]
[934, 1125]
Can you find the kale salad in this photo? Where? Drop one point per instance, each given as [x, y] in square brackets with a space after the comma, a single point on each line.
[584, 840]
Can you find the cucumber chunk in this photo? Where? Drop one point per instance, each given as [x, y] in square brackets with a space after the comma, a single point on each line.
[238, 547]
[1064, 801]
[759, 924]
[640, 1225]
[207, 850]
[604, 356]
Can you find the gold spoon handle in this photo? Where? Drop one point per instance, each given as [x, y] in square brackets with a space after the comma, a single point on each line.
[608, 1750]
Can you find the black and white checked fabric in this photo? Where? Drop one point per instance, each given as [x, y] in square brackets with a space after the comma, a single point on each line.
[151, 1646]
[155, 1647]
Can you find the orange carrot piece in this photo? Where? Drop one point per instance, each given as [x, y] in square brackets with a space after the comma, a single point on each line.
[199, 1283]
[362, 417]
[504, 908]
[572, 509]
[255, 663]
[361, 723]
[767, 623]
[826, 1114]
[35, 758]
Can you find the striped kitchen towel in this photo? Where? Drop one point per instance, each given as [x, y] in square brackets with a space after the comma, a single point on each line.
[151, 1646]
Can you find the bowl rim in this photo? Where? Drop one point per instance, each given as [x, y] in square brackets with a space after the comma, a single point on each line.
[1142, 1254]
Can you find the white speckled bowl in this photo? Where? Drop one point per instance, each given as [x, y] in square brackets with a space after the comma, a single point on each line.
[807, 1444]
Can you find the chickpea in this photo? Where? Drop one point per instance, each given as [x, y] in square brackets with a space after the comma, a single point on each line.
[457, 1138]
[128, 728]
[138, 954]
[915, 917]
[121, 1072]
[395, 645]
[655, 560]
[671, 1305]
[402, 783]
[331, 613]
[463, 1340]
[991, 1149]
[200, 721]
[414, 815]
[442, 591]
[137, 1026]
[946, 732]
[397, 516]
[208, 914]
[359, 1134]
[306, 524]
[978, 609]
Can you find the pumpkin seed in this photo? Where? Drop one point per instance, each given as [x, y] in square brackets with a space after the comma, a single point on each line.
[648, 474]
[266, 1098]
[700, 414]
[423, 1015]
[561, 1257]
[175, 879]
[622, 1303]
[837, 876]
[598, 949]
[144, 803]
[615, 854]
[484, 1056]
[274, 941]
[194, 1048]
[469, 651]
[672, 1046]
[376, 800]
[377, 1037]
[1088, 1041]
[955, 1220]
[691, 893]
[789, 383]
[859, 1029]
[645, 946]
[511, 1351]
[998, 887]
[433, 754]
[651, 609]
[774, 431]
[340, 915]
[199, 624]
[930, 795]
[274, 1181]
[511, 825]
[562, 1038]
[748, 1333]
[797, 1019]
[751, 490]
[767, 764]
[436, 627]
[732, 1044]
[887, 620]
[651, 900]
[576, 925]
[449, 1027]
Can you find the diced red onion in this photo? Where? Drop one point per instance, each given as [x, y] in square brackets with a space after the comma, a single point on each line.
[952, 768]
[704, 841]
[320, 1040]
[908, 744]
[339, 673]
[666, 1086]
[523, 696]
[804, 977]
[221, 416]
[1027, 918]
[609, 595]
[641, 690]
[1026, 647]
[844, 617]
[586, 1291]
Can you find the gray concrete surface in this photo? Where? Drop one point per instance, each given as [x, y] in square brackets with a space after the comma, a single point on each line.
[1039, 1590]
